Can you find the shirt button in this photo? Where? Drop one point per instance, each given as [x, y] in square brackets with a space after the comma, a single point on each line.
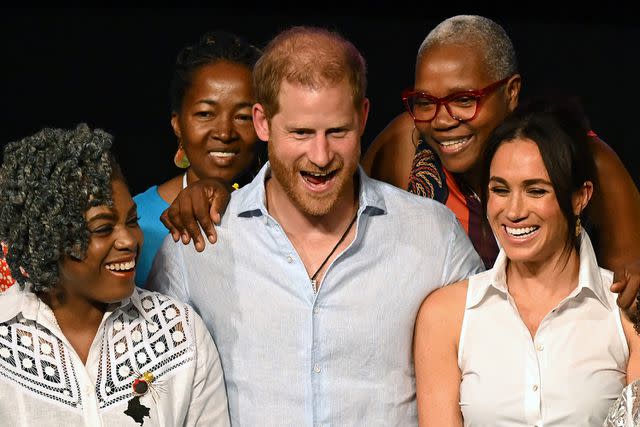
[316, 310]
[289, 259]
[316, 368]
[540, 347]
[535, 387]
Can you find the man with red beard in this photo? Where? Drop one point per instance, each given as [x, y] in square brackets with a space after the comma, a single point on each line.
[312, 289]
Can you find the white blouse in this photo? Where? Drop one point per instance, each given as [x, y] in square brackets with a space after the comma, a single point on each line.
[149, 340]
[567, 375]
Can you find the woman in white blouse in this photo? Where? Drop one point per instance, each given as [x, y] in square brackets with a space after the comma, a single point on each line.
[80, 345]
[538, 340]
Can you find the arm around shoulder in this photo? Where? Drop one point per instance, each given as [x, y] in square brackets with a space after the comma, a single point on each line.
[390, 156]
[435, 346]
[615, 209]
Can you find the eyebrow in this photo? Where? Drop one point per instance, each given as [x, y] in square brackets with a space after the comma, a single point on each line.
[213, 103]
[526, 182]
[110, 215]
[452, 91]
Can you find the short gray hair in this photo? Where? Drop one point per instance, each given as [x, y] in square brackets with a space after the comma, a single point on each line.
[481, 33]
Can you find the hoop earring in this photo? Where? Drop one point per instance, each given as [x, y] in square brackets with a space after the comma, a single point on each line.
[413, 139]
[180, 159]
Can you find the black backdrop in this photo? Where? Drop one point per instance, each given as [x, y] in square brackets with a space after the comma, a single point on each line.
[111, 67]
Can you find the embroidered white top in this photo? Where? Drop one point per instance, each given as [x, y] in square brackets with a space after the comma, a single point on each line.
[567, 375]
[44, 382]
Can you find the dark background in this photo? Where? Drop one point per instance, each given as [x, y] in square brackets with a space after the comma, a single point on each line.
[110, 67]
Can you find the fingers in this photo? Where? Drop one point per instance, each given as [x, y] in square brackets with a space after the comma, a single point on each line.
[627, 286]
[203, 203]
[171, 219]
[219, 199]
[200, 205]
[188, 219]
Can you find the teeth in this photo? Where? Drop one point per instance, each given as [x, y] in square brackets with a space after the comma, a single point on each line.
[222, 153]
[319, 175]
[519, 232]
[454, 142]
[121, 266]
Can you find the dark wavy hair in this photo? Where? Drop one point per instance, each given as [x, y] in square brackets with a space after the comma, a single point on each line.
[557, 124]
[48, 181]
[213, 46]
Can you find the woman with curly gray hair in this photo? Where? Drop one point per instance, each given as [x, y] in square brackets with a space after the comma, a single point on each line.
[79, 343]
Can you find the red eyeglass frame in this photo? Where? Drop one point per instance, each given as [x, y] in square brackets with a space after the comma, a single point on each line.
[479, 94]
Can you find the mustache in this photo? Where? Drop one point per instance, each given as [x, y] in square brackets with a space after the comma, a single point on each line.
[307, 166]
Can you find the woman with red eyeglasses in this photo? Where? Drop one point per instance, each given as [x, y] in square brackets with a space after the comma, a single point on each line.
[466, 84]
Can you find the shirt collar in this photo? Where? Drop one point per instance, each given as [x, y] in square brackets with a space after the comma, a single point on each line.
[253, 203]
[16, 301]
[589, 277]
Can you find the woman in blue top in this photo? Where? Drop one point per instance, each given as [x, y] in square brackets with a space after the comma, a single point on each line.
[211, 98]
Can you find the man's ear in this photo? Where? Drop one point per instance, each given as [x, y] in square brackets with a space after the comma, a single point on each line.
[364, 114]
[260, 122]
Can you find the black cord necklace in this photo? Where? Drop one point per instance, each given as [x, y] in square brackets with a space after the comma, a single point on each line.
[314, 282]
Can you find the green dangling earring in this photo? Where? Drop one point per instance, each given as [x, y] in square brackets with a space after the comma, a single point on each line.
[180, 159]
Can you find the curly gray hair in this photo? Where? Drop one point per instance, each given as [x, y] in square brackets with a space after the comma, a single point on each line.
[48, 182]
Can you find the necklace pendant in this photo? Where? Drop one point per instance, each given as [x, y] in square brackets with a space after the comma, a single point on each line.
[314, 285]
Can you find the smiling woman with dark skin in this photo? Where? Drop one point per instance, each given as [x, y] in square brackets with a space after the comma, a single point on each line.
[211, 98]
[80, 344]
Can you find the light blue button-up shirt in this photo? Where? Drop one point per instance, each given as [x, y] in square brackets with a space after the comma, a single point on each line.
[340, 357]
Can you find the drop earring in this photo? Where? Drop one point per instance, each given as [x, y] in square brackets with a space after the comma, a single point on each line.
[578, 226]
[180, 159]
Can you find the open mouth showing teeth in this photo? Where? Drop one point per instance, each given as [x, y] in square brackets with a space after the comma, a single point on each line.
[454, 144]
[222, 153]
[522, 231]
[317, 177]
[121, 266]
